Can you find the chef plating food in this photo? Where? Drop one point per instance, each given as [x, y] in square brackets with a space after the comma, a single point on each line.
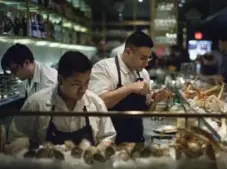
[70, 94]
[124, 85]
[20, 61]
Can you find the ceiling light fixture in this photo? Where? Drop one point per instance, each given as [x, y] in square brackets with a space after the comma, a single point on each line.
[140, 0]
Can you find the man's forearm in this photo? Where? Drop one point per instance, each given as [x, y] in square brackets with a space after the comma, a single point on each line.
[111, 98]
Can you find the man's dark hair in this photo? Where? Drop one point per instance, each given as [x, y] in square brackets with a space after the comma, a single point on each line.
[73, 62]
[16, 54]
[139, 39]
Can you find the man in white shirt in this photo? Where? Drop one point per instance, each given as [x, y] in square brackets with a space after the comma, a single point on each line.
[20, 61]
[70, 94]
[123, 84]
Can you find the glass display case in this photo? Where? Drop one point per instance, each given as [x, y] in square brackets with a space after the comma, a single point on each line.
[186, 131]
[174, 139]
[11, 89]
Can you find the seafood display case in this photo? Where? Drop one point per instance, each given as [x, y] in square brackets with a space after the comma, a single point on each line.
[196, 94]
[202, 97]
[190, 147]
[11, 89]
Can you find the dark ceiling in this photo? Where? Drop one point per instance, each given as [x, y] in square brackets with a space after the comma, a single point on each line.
[205, 8]
[125, 7]
[142, 10]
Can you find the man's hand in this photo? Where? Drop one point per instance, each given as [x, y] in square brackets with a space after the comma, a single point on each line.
[158, 95]
[17, 145]
[140, 87]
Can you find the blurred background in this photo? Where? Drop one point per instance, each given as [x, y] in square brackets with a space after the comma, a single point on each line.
[191, 26]
[186, 33]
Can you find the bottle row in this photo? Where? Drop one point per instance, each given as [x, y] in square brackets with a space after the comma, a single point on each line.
[49, 26]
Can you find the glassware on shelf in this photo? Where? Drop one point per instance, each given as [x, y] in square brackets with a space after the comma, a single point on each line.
[45, 14]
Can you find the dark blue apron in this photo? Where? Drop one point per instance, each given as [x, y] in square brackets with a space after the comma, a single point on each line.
[58, 137]
[129, 129]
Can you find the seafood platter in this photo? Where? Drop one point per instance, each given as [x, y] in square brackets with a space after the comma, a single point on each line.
[190, 148]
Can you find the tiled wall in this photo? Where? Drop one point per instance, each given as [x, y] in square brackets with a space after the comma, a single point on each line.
[44, 54]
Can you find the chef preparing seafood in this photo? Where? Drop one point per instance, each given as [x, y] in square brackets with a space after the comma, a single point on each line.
[70, 94]
[124, 85]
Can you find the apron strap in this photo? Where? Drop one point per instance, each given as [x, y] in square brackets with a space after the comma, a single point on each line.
[28, 85]
[118, 71]
[52, 109]
[139, 77]
[26, 92]
[35, 86]
[87, 121]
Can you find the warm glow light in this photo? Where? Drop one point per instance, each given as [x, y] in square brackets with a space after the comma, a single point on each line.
[140, 0]
[198, 35]
[41, 43]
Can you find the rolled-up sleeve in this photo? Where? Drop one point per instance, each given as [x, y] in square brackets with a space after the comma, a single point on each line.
[100, 81]
[106, 129]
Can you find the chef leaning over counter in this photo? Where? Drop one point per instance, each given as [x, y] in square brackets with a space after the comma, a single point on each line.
[70, 94]
[20, 61]
[123, 84]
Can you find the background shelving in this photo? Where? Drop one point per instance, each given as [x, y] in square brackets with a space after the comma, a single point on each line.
[67, 21]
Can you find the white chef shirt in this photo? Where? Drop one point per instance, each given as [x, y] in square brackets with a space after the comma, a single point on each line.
[44, 76]
[36, 127]
[104, 76]
[119, 49]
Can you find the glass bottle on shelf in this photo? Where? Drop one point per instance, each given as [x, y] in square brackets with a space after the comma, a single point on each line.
[8, 22]
[33, 26]
[20, 24]
[16, 28]
[40, 24]
[57, 32]
[82, 8]
[49, 30]
[24, 25]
